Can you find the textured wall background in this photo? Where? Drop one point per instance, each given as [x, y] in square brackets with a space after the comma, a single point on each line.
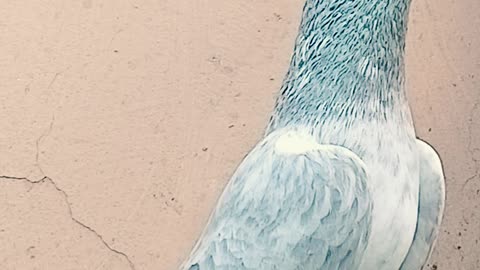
[122, 120]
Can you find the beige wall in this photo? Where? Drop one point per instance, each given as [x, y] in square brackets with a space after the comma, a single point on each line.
[137, 112]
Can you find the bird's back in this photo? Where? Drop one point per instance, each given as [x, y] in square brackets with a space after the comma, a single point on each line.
[291, 204]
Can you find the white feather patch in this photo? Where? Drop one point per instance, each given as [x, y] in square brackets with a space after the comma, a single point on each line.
[293, 143]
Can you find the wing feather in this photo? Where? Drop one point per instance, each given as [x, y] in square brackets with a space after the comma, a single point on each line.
[430, 208]
[291, 204]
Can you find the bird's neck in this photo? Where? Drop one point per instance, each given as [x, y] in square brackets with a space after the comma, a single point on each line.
[348, 62]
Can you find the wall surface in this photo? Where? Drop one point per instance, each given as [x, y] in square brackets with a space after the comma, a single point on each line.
[121, 121]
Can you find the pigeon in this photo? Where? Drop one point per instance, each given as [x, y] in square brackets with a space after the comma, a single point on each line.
[339, 179]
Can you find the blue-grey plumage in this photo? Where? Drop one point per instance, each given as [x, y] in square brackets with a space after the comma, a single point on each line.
[292, 204]
[430, 210]
[340, 180]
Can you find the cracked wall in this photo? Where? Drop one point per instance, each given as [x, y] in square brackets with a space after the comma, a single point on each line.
[122, 121]
[38, 230]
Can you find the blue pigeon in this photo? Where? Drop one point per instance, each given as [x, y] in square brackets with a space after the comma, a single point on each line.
[339, 181]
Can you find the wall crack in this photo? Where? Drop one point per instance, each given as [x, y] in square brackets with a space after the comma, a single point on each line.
[37, 145]
[470, 148]
[78, 222]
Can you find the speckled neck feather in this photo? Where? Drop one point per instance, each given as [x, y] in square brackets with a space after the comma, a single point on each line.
[348, 62]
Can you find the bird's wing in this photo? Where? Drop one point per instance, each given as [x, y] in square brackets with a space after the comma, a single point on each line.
[291, 204]
[430, 208]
